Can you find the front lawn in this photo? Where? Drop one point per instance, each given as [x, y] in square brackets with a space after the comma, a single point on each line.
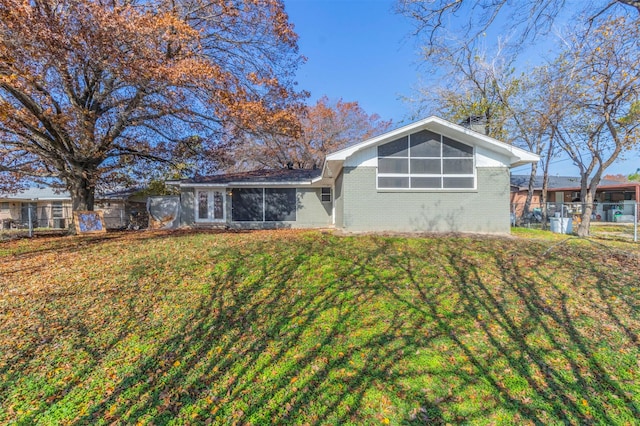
[311, 328]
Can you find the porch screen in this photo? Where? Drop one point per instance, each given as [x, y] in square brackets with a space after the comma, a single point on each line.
[263, 204]
[247, 205]
[279, 204]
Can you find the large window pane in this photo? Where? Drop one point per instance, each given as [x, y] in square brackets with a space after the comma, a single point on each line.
[425, 144]
[247, 205]
[203, 204]
[426, 182]
[397, 148]
[430, 162]
[56, 209]
[425, 166]
[218, 205]
[393, 165]
[457, 166]
[458, 182]
[279, 204]
[451, 148]
[393, 182]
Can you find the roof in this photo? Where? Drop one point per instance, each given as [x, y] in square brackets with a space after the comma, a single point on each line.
[38, 193]
[120, 194]
[516, 156]
[564, 182]
[263, 176]
[54, 194]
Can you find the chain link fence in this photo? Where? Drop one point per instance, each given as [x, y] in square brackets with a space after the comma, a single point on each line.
[608, 220]
[55, 219]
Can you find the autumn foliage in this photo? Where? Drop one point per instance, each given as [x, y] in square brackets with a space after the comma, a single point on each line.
[326, 126]
[88, 87]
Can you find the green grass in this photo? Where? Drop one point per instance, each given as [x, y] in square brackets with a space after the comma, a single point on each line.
[613, 231]
[313, 328]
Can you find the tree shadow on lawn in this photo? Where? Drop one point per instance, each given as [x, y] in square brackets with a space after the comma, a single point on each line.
[242, 332]
[544, 340]
[334, 330]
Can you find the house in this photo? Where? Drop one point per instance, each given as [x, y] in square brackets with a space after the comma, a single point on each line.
[431, 175]
[46, 207]
[567, 189]
[614, 200]
[51, 208]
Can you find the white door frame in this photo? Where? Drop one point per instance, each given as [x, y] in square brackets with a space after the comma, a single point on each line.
[211, 205]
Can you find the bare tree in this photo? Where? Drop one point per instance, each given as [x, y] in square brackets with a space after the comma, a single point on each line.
[442, 23]
[597, 83]
[515, 108]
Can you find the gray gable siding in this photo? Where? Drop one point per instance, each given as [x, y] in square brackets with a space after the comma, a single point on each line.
[485, 210]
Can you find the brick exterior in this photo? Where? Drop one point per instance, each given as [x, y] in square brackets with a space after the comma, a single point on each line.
[187, 207]
[360, 207]
[484, 210]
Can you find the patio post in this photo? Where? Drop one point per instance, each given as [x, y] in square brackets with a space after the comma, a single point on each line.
[635, 222]
[30, 222]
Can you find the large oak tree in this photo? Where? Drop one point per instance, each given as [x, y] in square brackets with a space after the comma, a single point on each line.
[88, 87]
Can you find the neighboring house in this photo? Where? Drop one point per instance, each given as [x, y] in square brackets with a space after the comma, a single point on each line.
[431, 175]
[47, 208]
[612, 196]
[50, 208]
[567, 188]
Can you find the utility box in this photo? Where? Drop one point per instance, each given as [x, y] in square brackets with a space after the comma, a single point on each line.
[561, 225]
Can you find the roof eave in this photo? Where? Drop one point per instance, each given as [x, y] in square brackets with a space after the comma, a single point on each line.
[524, 160]
[245, 184]
[517, 156]
[600, 187]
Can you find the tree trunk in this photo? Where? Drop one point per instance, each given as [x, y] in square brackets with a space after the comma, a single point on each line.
[530, 190]
[543, 199]
[585, 217]
[545, 179]
[82, 192]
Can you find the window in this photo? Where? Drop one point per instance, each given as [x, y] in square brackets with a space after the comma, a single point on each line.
[425, 160]
[263, 204]
[56, 210]
[325, 195]
[4, 206]
[203, 205]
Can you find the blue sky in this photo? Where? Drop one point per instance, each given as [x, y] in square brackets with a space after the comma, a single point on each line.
[357, 50]
[360, 50]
